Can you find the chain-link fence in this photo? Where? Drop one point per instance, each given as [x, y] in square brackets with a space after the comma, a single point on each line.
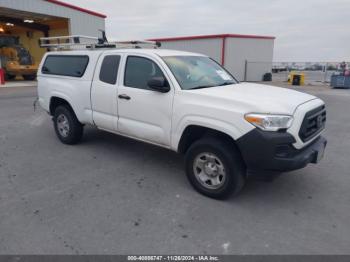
[314, 72]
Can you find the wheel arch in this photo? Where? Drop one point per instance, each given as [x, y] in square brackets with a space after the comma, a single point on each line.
[56, 101]
[194, 132]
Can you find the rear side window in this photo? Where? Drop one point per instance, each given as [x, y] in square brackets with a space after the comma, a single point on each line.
[109, 69]
[139, 70]
[74, 66]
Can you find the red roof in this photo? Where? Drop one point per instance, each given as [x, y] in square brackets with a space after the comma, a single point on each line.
[210, 37]
[56, 2]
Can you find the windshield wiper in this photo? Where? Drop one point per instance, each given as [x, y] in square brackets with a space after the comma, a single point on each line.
[226, 83]
[200, 87]
[207, 86]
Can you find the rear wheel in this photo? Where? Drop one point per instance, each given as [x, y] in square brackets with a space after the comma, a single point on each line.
[214, 168]
[29, 77]
[67, 127]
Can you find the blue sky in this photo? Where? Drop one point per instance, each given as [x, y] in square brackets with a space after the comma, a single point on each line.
[309, 30]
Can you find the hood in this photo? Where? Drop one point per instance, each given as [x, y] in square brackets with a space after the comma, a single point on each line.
[258, 98]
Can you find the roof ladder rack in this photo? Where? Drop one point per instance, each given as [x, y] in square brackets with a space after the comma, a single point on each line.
[87, 42]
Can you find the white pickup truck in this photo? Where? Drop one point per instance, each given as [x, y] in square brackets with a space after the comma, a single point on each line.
[188, 103]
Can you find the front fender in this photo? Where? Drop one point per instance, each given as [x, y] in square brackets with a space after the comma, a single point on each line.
[234, 131]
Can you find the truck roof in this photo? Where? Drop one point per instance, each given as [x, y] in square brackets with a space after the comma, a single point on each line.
[159, 52]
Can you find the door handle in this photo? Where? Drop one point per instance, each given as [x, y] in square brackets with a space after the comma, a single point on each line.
[126, 97]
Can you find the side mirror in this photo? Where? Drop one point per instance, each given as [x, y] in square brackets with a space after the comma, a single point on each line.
[159, 84]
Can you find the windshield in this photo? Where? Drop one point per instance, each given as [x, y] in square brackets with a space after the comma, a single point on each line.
[195, 72]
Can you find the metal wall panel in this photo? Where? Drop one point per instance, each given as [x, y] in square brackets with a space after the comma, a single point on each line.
[258, 53]
[209, 47]
[80, 23]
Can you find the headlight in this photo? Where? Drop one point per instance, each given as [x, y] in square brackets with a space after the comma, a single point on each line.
[269, 122]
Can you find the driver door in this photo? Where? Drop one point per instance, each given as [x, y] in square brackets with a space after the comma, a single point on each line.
[143, 113]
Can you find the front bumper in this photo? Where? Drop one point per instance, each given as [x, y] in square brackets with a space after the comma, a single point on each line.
[265, 152]
[21, 69]
[27, 71]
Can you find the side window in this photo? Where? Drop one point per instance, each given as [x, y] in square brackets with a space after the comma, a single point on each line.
[65, 65]
[109, 69]
[139, 70]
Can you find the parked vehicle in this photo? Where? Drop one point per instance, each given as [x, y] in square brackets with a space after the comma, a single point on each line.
[188, 103]
[15, 59]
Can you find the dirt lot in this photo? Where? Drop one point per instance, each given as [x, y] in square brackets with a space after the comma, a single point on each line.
[112, 195]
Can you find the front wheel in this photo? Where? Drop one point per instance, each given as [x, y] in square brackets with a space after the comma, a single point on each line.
[214, 168]
[29, 77]
[67, 127]
[9, 77]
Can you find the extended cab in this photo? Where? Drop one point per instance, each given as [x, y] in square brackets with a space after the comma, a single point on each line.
[188, 103]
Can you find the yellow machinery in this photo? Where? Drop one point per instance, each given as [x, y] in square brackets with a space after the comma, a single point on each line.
[16, 60]
[296, 78]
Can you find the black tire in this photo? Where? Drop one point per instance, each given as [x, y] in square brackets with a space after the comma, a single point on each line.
[230, 158]
[9, 77]
[75, 128]
[29, 77]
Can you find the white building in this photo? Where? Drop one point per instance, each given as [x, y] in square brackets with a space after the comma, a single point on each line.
[31, 19]
[247, 57]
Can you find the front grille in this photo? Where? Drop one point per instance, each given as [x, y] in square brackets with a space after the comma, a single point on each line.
[314, 122]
